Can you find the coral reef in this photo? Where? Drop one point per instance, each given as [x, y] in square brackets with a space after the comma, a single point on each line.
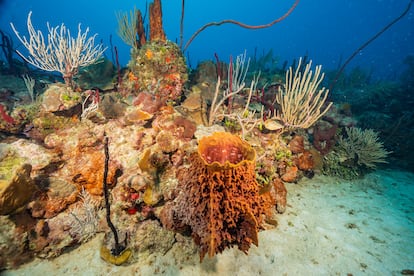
[161, 186]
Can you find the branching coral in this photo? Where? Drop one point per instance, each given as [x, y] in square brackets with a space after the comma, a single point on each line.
[62, 53]
[301, 103]
[128, 27]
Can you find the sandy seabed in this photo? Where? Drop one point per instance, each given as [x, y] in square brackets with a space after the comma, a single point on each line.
[331, 227]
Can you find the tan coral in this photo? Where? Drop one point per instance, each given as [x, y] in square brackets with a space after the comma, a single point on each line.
[273, 198]
[291, 174]
[296, 145]
[16, 188]
[194, 108]
[166, 142]
[136, 115]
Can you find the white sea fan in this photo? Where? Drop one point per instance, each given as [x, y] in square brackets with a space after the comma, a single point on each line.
[84, 219]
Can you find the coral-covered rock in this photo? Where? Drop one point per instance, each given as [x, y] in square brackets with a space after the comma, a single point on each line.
[158, 68]
[324, 136]
[56, 195]
[57, 235]
[296, 145]
[183, 128]
[152, 238]
[136, 116]
[202, 130]
[59, 97]
[48, 123]
[20, 162]
[291, 174]
[280, 195]
[305, 161]
[219, 196]
[13, 248]
[16, 185]
[167, 142]
[86, 167]
[34, 154]
[81, 149]
[273, 196]
[317, 159]
[111, 106]
[194, 108]
[147, 102]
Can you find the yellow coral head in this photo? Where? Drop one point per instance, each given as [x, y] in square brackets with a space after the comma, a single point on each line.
[224, 149]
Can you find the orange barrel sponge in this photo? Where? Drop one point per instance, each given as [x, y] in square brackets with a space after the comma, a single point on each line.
[219, 196]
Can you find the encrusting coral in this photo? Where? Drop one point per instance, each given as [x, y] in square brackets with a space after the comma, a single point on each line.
[219, 197]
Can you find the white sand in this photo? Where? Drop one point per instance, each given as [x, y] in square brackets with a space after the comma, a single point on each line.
[330, 228]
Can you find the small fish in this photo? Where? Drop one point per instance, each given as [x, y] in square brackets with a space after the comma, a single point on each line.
[273, 124]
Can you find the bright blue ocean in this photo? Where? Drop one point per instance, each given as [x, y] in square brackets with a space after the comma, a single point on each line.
[327, 31]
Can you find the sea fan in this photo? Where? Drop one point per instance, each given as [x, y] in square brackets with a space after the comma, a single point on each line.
[84, 219]
[364, 146]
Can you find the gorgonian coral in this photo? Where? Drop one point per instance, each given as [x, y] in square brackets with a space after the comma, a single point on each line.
[355, 152]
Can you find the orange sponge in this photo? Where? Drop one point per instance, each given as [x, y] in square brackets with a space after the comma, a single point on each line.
[219, 196]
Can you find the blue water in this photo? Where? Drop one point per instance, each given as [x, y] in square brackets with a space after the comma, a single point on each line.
[328, 31]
